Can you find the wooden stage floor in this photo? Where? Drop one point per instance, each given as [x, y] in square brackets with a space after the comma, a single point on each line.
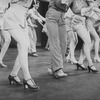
[78, 85]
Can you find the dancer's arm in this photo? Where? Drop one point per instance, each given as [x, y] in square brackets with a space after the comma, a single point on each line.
[32, 15]
[86, 11]
[30, 23]
[96, 9]
[40, 16]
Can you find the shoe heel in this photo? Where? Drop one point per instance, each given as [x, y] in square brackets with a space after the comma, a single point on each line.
[12, 80]
[77, 66]
[80, 66]
[89, 69]
[92, 70]
[25, 86]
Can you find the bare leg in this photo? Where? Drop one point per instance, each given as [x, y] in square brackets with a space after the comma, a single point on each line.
[84, 34]
[96, 39]
[7, 39]
[17, 64]
[73, 42]
[23, 43]
[82, 55]
[72, 51]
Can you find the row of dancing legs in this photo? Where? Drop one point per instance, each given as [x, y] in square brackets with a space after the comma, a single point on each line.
[86, 48]
[95, 42]
[95, 38]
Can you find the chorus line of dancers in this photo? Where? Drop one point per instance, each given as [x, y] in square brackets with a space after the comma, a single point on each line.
[19, 23]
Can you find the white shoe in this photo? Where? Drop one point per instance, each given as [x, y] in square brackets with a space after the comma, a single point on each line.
[96, 59]
[73, 61]
[67, 59]
[50, 71]
[60, 74]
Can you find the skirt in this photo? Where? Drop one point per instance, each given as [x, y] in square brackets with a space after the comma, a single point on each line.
[15, 17]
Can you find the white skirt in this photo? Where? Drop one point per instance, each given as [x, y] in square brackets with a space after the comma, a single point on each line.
[15, 17]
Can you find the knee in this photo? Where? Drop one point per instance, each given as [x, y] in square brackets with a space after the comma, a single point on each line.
[97, 38]
[88, 43]
[25, 46]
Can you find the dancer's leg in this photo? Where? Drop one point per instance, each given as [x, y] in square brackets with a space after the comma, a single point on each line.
[22, 38]
[17, 64]
[33, 39]
[84, 34]
[72, 46]
[95, 37]
[72, 51]
[7, 40]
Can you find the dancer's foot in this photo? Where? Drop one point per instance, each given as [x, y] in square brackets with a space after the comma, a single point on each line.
[14, 79]
[82, 66]
[73, 61]
[2, 65]
[92, 68]
[96, 59]
[30, 85]
[59, 74]
[33, 54]
[50, 71]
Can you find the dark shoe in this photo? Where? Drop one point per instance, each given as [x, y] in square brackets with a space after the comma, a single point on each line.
[2, 65]
[59, 74]
[33, 87]
[92, 70]
[12, 80]
[81, 66]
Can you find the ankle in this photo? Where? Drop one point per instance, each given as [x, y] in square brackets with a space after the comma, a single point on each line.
[81, 63]
[93, 67]
[30, 81]
[15, 77]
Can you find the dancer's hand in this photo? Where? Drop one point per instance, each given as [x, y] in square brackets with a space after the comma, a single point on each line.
[39, 20]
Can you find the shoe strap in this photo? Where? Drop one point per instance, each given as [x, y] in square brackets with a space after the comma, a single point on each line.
[57, 70]
[81, 64]
[16, 77]
[91, 66]
[31, 79]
